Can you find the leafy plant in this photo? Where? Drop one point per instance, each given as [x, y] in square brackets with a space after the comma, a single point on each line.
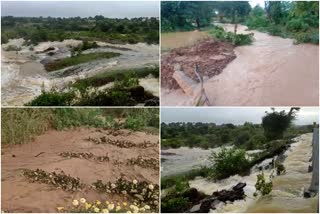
[229, 162]
[262, 185]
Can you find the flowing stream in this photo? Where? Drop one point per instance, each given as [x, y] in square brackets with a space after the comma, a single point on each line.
[23, 75]
[287, 192]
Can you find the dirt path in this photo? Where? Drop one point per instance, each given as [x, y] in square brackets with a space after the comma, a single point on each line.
[270, 71]
[19, 195]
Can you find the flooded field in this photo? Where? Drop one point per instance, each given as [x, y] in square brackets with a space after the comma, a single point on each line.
[270, 71]
[23, 74]
[181, 39]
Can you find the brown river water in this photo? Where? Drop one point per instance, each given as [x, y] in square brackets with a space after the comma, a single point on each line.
[270, 71]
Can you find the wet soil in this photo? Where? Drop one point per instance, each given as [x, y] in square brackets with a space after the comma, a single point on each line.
[83, 161]
[210, 55]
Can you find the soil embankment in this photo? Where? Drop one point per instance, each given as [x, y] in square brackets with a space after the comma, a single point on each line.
[126, 154]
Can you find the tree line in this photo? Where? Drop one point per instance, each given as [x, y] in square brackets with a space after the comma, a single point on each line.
[275, 125]
[295, 19]
[38, 29]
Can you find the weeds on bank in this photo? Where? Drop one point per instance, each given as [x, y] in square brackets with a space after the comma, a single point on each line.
[78, 59]
[22, 125]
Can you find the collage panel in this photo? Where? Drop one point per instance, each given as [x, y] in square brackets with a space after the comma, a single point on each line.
[80, 160]
[82, 53]
[240, 160]
[240, 53]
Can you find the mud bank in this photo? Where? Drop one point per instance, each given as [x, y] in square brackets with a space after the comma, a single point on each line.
[23, 74]
[270, 71]
[19, 195]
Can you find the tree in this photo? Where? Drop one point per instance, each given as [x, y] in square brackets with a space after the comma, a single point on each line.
[276, 123]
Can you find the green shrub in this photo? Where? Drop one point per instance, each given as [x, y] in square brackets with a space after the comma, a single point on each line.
[236, 39]
[262, 186]
[52, 98]
[174, 205]
[229, 162]
[297, 25]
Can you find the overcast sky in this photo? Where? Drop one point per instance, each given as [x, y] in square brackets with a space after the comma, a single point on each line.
[306, 115]
[111, 9]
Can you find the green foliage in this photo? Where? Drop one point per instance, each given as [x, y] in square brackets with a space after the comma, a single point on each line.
[78, 59]
[298, 20]
[71, 117]
[262, 186]
[229, 162]
[133, 123]
[276, 123]
[235, 39]
[280, 169]
[174, 205]
[53, 98]
[40, 29]
[111, 76]
[20, 125]
[188, 15]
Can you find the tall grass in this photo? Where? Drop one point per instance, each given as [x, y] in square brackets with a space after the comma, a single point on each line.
[21, 125]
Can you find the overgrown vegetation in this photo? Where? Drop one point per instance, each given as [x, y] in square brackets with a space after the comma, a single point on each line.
[125, 91]
[78, 59]
[111, 76]
[40, 29]
[296, 19]
[247, 136]
[22, 125]
[236, 39]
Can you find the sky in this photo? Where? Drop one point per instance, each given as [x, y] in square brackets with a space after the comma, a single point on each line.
[235, 115]
[253, 3]
[111, 9]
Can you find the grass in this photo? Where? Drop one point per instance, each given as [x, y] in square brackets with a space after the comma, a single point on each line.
[111, 76]
[22, 125]
[75, 60]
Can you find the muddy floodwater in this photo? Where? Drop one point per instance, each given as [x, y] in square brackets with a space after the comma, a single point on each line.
[287, 191]
[270, 71]
[23, 74]
[181, 39]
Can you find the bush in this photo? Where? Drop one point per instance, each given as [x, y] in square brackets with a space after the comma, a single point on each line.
[262, 186]
[174, 205]
[235, 39]
[52, 98]
[297, 25]
[229, 162]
